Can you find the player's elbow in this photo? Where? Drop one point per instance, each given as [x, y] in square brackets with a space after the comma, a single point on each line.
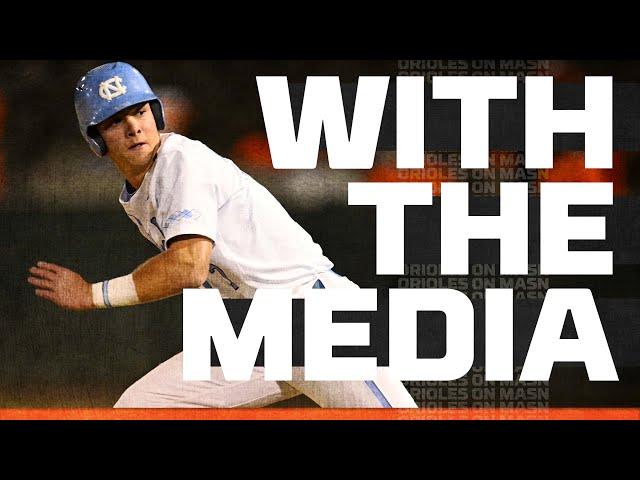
[199, 272]
[192, 259]
[194, 272]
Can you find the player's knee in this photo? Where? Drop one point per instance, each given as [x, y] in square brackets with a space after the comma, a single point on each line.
[137, 397]
[129, 399]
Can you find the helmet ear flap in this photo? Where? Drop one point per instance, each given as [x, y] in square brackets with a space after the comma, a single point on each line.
[158, 113]
[92, 133]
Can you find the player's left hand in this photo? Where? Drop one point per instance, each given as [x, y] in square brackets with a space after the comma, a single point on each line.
[62, 286]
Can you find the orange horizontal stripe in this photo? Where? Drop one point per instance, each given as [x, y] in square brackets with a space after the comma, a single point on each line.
[321, 414]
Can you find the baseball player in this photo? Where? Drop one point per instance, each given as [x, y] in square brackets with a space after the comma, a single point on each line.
[215, 227]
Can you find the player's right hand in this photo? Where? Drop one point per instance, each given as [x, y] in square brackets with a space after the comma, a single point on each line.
[61, 286]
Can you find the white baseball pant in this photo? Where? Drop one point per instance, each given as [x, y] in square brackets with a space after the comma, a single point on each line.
[163, 387]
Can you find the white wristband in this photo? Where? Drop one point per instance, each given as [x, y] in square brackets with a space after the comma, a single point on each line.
[117, 292]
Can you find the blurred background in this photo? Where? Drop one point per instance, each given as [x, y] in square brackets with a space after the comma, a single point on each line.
[58, 202]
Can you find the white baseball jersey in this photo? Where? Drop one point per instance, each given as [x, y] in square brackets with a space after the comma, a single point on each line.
[191, 190]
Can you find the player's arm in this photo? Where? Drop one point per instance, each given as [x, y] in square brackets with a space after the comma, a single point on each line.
[185, 264]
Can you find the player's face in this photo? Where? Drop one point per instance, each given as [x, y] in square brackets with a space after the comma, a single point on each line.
[131, 135]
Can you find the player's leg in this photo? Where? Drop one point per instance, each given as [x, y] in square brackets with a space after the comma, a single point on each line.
[385, 391]
[163, 387]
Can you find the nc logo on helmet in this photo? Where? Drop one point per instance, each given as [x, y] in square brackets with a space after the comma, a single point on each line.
[112, 88]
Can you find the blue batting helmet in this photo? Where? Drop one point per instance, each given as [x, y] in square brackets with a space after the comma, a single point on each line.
[105, 91]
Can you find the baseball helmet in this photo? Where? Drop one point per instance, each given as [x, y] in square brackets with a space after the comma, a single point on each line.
[105, 91]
